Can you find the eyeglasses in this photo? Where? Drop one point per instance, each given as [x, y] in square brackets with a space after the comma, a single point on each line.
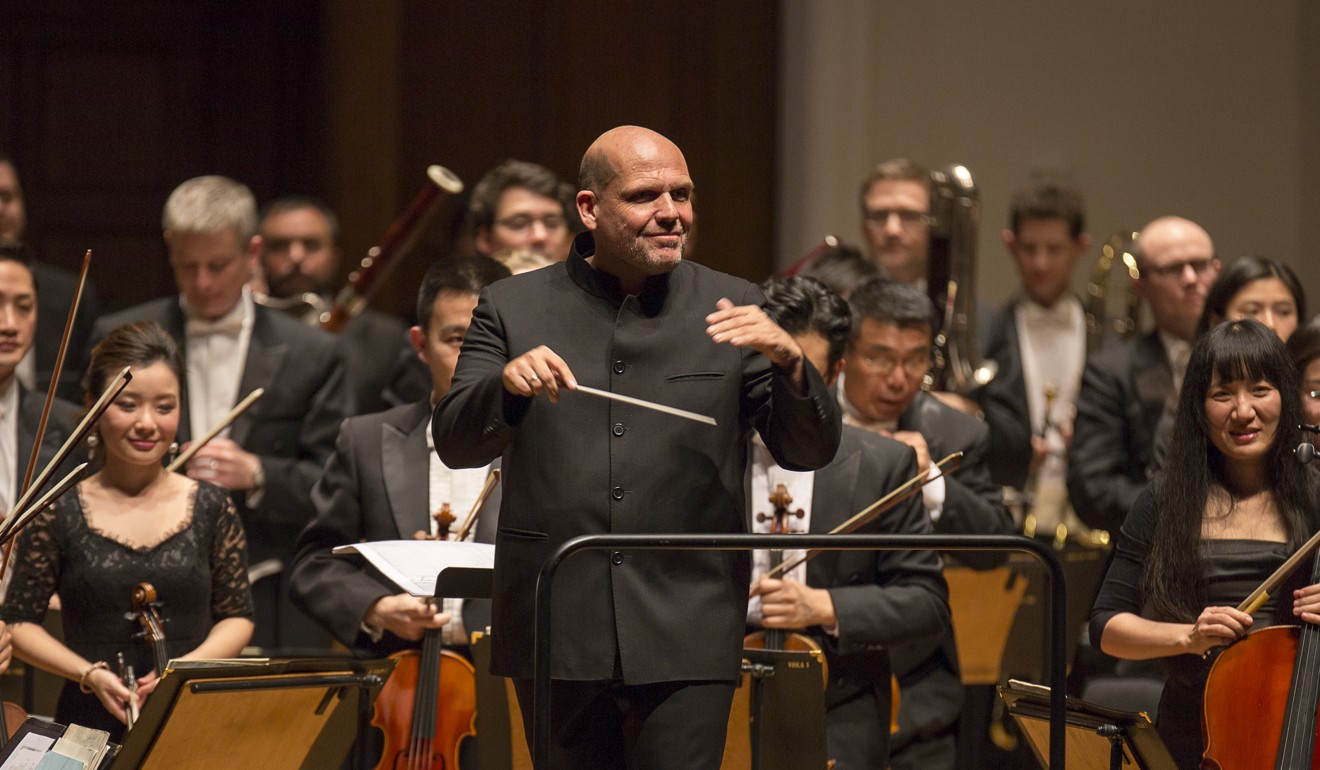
[521, 223]
[914, 365]
[1175, 269]
[906, 217]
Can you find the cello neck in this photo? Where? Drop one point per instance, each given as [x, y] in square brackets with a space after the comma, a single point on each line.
[1297, 738]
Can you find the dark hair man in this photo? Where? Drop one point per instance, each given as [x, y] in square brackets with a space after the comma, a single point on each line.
[522, 206]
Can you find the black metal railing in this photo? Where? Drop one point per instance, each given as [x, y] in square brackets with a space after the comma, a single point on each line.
[1056, 609]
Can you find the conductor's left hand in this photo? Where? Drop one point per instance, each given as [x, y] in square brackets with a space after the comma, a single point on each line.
[749, 326]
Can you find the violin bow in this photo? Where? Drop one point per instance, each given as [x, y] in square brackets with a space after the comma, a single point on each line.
[908, 488]
[470, 520]
[8, 530]
[225, 422]
[50, 391]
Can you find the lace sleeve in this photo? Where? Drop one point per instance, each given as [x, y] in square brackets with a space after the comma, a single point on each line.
[36, 571]
[231, 594]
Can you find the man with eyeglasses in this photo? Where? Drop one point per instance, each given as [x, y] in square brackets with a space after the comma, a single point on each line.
[300, 255]
[896, 219]
[888, 355]
[1125, 388]
[521, 206]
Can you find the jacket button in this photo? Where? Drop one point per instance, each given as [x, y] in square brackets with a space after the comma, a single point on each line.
[618, 429]
[616, 558]
[617, 493]
[619, 367]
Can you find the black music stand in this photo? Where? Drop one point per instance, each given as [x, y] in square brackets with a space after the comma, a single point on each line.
[787, 709]
[282, 714]
[1098, 738]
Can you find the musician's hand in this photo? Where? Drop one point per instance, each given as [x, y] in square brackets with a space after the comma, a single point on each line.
[539, 370]
[1306, 604]
[405, 615]
[1216, 627]
[225, 464]
[749, 326]
[112, 693]
[787, 603]
[918, 444]
[6, 647]
[146, 685]
[1039, 450]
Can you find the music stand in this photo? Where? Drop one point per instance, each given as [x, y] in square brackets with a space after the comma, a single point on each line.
[783, 724]
[301, 713]
[1098, 738]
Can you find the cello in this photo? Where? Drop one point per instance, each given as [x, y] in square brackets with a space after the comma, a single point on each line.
[1262, 691]
[429, 704]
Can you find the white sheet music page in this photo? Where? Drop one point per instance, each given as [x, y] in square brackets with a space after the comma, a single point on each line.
[412, 565]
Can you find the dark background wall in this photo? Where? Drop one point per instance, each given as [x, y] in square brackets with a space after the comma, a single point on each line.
[105, 107]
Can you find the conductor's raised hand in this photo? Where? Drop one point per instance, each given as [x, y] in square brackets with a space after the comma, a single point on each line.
[539, 370]
[749, 326]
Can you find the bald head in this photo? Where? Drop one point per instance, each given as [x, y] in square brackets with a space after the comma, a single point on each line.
[636, 198]
[1178, 266]
[616, 149]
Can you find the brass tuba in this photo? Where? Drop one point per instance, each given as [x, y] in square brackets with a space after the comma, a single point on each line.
[1111, 305]
[951, 281]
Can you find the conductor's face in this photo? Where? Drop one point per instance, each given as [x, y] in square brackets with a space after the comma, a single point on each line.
[642, 215]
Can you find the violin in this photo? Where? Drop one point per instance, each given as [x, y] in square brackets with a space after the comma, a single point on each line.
[146, 613]
[428, 706]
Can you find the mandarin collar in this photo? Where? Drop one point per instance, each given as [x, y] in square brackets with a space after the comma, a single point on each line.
[606, 286]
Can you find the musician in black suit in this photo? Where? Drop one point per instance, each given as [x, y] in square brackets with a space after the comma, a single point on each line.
[274, 453]
[1038, 339]
[375, 487]
[633, 683]
[20, 409]
[880, 390]
[1125, 388]
[56, 288]
[300, 256]
[855, 604]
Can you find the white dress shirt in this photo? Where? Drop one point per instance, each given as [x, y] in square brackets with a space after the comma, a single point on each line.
[460, 488]
[216, 352]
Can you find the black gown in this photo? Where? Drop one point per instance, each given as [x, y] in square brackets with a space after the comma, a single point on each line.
[199, 572]
[1232, 570]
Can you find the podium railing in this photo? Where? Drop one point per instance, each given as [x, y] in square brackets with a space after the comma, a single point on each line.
[1056, 619]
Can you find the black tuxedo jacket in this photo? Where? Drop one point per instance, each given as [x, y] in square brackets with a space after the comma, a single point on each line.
[590, 465]
[55, 289]
[1124, 391]
[59, 426]
[973, 503]
[292, 428]
[882, 599]
[1004, 399]
[374, 488]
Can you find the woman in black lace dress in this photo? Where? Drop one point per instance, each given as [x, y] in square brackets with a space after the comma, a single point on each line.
[1230, 506]
[132, 522]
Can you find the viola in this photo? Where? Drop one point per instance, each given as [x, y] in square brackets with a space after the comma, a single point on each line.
[428, 706]
[146, 611]
[778, 638]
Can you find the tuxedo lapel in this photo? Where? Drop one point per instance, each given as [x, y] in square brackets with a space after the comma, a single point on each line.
[265, 356]
[29, 416]
[1152, 377]
[831, 505]
[405, 470]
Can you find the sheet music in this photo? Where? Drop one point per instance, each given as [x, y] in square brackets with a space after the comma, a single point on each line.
[29, 751]
[412, 565]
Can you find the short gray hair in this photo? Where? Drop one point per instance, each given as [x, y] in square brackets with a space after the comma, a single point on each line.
[210, 204]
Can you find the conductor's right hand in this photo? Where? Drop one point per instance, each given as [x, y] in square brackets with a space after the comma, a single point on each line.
[539, 370]
[405, 615]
